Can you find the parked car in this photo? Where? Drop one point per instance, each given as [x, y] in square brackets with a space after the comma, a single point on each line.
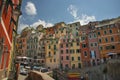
[37, 68]
[23, 71]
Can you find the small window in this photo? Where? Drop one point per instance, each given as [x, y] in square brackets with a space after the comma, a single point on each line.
[91, 44]
[61, 51]
[113, 47]
[95, 44]
[61, 45]
[101, 48]
[71, 51]
[98, 33]
[71, 44]
[95, 36]
[112, 39]
[66, 45]
[106, 39]
[84, 45]
[72, 58]
[67, 57]
[100, 40]
[105, 32]
[61, 57]
[110, 31]
[66, 50]
[85, 53]
[49, 47]
[78, 44]
[79, 58]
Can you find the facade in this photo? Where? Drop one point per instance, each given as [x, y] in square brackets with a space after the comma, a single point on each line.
[9, 15]
[52, 53]
[93, 44]
[72, 46]
[108, 33]
[64, 53]
[84, 44]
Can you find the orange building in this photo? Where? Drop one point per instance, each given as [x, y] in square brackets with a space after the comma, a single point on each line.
[9, 14]
[108, 33]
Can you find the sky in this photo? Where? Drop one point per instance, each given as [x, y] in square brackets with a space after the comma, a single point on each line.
[50, 12]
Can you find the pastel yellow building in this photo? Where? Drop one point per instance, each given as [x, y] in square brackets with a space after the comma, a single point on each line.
[75, 53]
[52, 53]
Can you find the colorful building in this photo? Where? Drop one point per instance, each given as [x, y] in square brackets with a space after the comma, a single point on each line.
[84, 45]
[52, 53]
[108, 32]
[64, 53]
[9, 15]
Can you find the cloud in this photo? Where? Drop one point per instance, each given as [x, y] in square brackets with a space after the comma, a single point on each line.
[21, 25]
[30, 9]
[73, 11]
[44, 23]
[83, 18]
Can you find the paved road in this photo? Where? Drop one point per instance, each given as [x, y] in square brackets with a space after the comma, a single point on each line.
[22, 77]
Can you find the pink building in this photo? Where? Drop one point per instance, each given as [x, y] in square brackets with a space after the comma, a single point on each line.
[64, 54]
[93, 48]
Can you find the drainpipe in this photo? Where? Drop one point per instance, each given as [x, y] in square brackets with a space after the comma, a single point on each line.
[2, 7]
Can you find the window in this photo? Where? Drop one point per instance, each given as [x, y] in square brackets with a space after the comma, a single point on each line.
[49, 47]
[105, 32]
[72, 58]
[98, 33]
[50, 60]
[61, 45]
[91, 44]
[54, 60]
[56, 42]
[113, 47]
[77, 50]
[67, 40]
[49, 54]
[76, 33]
[61, 57]
[71, 51]
[78, 44]
[79, 65]
[83, 38]
[84, 45]
[63, 40]
[61, 51]
[66, 65]
[71, 44]
[100, 40]
[106, 39]
[54, 47]
[66, 50]
[54, 53]
[85, 53]
[95, 36]
[66, 45]
[101, 48]
[107, 47]
[89, 36]
[95, 44]
[112, 39]
[67, 58]
[110, 31]
[79, 58]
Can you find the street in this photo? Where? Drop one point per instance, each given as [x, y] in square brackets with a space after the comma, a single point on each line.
[22, 77]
